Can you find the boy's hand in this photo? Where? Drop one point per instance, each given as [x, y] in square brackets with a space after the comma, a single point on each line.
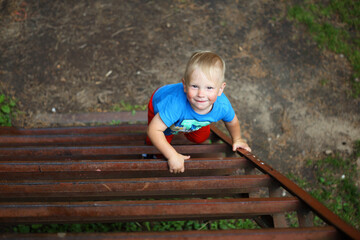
[155, 132]
[241, 144]
[176, 163]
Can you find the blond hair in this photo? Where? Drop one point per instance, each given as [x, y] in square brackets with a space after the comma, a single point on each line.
[209, 63]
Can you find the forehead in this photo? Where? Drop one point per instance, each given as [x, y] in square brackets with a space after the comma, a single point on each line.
[198, 75]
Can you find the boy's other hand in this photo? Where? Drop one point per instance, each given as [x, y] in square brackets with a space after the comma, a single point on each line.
[241, 144]
[176, 163]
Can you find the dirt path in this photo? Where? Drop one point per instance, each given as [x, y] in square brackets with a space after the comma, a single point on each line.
[84, 56]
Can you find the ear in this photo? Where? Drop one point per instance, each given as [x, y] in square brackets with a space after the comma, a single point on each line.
[184, 84]
[221, 89]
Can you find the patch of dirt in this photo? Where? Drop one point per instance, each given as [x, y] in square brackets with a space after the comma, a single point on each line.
[85, 56]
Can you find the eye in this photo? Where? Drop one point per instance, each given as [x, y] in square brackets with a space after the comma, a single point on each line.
[194, 86]
[210, 88]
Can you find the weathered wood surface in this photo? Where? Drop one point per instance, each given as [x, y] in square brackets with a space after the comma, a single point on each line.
[98, 174]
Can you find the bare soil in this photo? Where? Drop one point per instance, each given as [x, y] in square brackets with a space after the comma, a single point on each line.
[293, 99]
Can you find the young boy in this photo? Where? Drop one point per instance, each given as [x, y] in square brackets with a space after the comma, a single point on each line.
[190, 107]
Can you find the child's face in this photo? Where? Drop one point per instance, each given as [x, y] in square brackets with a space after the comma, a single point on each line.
[202, 92]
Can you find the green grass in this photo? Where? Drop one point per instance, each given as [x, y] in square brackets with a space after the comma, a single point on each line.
[334, 26]
[123, 106]
[127, 107]
[132, 226]
[334, 186]
[7, 106]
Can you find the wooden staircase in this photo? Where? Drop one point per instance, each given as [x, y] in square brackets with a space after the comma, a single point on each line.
[99, 174]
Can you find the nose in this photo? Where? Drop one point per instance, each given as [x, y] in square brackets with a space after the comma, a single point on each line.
[200, 93]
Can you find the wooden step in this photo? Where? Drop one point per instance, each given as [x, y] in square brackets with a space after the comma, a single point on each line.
[25, 190]
[98, 152]
[112, 168]
[314, 233]
[110, 211]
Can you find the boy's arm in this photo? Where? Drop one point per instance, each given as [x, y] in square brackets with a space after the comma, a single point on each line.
[235, 132]
[155, 132]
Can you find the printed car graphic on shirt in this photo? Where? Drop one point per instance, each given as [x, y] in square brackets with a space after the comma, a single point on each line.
[188, 126]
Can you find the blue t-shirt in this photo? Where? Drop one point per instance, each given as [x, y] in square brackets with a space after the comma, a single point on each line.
[175, 111]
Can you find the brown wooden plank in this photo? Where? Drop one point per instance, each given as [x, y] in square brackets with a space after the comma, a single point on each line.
[101, 139]
[71, 140]
[117, 165]
[73, 130]
[13, 153]
[111, 188]
[314, 233]
[99, 211]
[77, 169]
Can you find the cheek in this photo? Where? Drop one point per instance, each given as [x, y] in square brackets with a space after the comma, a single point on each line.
[212, 97]
[190, 94]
